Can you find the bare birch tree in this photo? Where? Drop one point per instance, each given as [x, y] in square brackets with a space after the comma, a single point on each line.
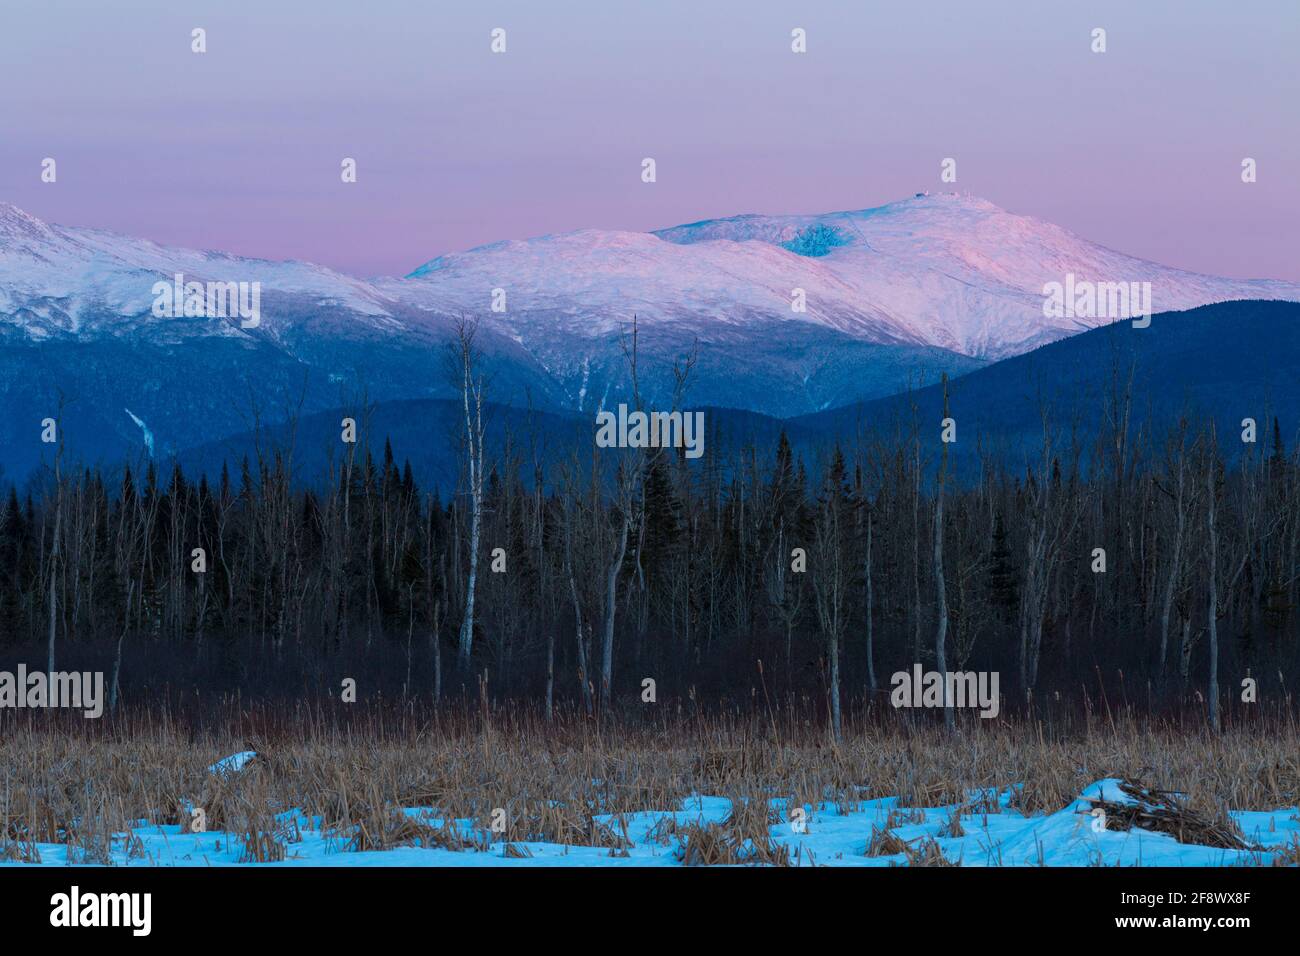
[473, 387]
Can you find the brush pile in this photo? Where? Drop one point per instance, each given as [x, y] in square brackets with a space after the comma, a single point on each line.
[1165, 811]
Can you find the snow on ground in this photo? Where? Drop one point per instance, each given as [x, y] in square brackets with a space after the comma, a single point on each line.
[232, 764]
[831, 837]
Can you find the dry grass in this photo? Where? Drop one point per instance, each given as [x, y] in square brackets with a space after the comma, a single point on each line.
[900, 817]
[953, 827]
[1288, 855]
[729, 843]
[926, 852]
[884, 843]
[85, 784]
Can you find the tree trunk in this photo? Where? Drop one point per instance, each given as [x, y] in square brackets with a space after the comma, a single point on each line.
[835, 687]
[611, 599]
[466, 644]
[550, 673]
[1175, 559]
[940, 587]
[54, 564]
[871, 654]
[1213, 624]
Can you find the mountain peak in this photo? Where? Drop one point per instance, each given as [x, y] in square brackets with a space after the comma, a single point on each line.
[819, 232]
[17, 225]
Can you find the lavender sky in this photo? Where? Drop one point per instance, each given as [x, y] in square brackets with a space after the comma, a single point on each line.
[238, 149]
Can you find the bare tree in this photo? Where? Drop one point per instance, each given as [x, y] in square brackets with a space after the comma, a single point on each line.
[1212, 564]
[782, 586]
[831, 577]
[869, 509]
[940, 590]
[1178, 493]
[57, 543]
[473, 387]
[1051, 515]
[628, 480]
[571, 527]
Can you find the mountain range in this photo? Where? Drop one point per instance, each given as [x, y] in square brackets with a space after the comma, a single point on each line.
[894, 296]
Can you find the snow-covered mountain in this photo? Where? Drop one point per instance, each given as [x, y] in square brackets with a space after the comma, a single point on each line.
[57, 281]
[943, 271]
[894, 296]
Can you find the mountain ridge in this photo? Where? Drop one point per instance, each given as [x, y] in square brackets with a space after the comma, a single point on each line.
[896, 296]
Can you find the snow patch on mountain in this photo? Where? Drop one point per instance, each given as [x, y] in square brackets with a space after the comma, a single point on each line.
[144, 430]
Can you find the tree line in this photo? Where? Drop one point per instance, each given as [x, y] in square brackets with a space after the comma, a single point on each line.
[1136, 555]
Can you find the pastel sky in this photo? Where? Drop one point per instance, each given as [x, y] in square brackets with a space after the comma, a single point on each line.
[1139, 148]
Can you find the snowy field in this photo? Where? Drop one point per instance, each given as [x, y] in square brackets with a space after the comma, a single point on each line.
[992, 833]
